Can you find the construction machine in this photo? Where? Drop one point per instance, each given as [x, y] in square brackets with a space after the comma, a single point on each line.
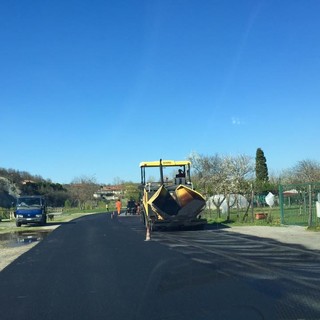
[170, 200]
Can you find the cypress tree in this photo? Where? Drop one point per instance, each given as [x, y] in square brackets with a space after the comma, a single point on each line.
[262, 175]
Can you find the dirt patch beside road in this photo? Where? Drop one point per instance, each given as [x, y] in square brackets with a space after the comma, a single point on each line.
[9, 254]
[11, 248]
[286, 234]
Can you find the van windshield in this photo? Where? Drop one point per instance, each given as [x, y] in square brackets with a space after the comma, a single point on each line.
[29, 202]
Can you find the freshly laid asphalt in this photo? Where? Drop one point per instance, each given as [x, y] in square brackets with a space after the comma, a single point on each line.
[96, 267]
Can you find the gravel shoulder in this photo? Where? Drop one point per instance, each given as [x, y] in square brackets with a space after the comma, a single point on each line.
[10, 252]
[285, 234]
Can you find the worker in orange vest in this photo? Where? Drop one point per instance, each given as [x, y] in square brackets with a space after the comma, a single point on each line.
[118, 206]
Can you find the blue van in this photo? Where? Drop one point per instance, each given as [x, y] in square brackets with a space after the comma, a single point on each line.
[31, 209]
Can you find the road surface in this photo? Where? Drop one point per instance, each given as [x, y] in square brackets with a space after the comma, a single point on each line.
[96, 267]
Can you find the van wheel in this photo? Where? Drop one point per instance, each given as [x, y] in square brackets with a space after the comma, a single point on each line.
[18, 224]
[44, 220]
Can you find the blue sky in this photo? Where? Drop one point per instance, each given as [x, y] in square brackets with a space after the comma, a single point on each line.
[92, 88]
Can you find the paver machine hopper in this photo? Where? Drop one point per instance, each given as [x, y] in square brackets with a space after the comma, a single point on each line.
[169, 200]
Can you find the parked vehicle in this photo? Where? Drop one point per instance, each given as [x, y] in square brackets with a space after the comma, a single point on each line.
[131, 207]
[170, 202]
[31, 209]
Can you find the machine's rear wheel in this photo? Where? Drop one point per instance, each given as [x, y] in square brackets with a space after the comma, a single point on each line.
[153, 228]
[143, 217]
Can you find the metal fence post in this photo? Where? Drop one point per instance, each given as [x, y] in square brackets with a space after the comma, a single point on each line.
[310, 206]
[252, 203]
[281, 204]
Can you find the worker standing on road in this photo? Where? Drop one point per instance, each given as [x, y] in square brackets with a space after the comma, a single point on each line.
[138, 207]
[118, 206]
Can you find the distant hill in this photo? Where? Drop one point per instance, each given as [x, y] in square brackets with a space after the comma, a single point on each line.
[11, 183]
[8, 192]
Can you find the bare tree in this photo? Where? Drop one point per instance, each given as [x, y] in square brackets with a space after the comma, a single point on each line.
[222, 177]
[118, 181]
[211, 177]
[303, 172]
[82, 190]
[239, 171]
[307, 171]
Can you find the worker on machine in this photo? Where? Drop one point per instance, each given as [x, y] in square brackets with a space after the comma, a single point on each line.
[180, 174]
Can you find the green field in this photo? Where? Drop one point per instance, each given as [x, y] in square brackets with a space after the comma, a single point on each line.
[239, 217]
[292, 215]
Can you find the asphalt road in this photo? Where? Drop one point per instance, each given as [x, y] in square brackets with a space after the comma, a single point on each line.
[98, 268]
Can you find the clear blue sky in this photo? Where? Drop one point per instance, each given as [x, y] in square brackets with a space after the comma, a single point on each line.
[92, 88]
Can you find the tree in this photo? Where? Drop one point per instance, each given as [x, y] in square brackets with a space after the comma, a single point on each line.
[209, 177]
[57, 198]
[132, 191]
[82, 190]
[261, 167]
[239, 171]
[262, 175]
[222, 176]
